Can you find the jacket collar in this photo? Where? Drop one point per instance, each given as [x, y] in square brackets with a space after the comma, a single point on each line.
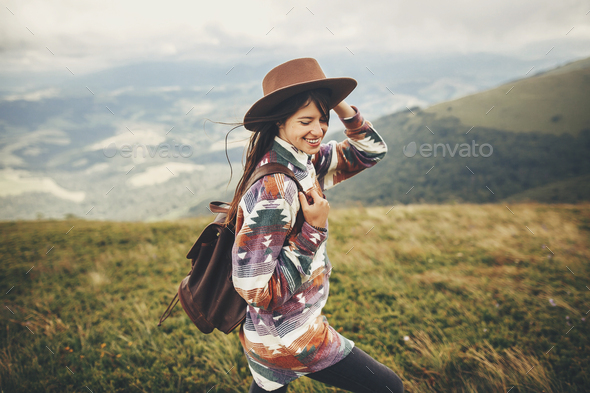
[289, 152]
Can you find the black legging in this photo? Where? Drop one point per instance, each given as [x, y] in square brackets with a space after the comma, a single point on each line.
[357, 372]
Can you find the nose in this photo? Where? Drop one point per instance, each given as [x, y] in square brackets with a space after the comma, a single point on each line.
[319, 131]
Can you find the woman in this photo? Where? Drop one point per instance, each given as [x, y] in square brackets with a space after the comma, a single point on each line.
[284, 335]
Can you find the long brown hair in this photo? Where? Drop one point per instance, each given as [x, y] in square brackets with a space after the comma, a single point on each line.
[265, 130]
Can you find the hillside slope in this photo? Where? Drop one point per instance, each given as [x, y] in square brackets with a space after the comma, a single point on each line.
[555, 102]
[535, 137]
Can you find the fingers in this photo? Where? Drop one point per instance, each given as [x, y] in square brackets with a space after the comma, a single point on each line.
[315, 194]
[303, 199]
[314, 197]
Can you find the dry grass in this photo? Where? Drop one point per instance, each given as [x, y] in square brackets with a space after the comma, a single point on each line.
[469, 286]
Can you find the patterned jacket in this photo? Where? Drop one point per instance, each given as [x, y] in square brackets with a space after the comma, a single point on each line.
[285, 335]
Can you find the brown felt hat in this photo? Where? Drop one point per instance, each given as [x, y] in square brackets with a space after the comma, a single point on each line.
[292, 77]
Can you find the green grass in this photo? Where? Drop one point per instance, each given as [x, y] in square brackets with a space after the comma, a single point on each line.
[469, 285]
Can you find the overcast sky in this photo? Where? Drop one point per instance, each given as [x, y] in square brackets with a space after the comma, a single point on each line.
[87, 36]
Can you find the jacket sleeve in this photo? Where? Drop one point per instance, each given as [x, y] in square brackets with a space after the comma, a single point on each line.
[338, 161]
[264, 272]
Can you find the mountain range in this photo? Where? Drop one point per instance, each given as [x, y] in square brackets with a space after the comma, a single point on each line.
[63, 144]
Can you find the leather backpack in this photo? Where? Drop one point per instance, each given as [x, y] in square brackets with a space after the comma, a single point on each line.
[207, 293]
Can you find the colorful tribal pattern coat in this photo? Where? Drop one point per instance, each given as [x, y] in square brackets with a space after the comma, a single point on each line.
[285, 335]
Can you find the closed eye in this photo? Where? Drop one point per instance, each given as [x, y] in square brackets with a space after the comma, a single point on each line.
[304, 123]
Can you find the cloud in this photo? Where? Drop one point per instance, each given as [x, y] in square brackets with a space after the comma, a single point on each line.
[34, 96]
[29, 140]
[158, 174]
[447, 88]
[94, 35]
[239, 139]
[141, 133]
[17, 182]
[164, 89]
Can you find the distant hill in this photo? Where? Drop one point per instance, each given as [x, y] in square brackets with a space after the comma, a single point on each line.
[572, 190]
[554, 102]
[537, 132]
[63, 143]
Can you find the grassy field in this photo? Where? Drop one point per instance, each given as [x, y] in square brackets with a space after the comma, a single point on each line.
[462, 298]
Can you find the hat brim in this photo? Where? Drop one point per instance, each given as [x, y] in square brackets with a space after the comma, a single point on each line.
[340, 87]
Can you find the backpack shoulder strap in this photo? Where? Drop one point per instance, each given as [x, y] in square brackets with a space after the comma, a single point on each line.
[269, 169]
[275, 167]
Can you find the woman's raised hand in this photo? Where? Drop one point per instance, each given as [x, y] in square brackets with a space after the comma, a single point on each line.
[315, 214]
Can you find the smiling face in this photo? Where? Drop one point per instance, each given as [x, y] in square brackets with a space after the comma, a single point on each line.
[305, 129]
